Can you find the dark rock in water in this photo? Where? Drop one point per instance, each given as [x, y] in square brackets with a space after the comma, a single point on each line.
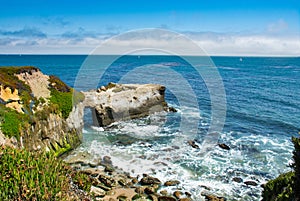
[109, 168]
[177, 194]
[193, 144]
[171, 183]
[205, 187]
[172, 109]
[237, 179]
[164, 192]
[188, 194]
[166, 198]
[210, 197]
[224, 146]
[149, 190]
[250, 183]
[106, 161]
[134, 180]
[148, 180]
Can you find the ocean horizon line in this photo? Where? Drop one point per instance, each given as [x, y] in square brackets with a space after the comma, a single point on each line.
[238, 56]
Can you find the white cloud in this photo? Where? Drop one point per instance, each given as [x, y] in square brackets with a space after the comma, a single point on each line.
[252, 45]
[210, 42]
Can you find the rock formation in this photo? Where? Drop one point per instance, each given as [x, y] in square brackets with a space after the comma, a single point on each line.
[36, 110]
[30, 114]
[117, 102]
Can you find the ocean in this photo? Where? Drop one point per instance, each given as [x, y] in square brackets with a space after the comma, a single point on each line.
[258, 98]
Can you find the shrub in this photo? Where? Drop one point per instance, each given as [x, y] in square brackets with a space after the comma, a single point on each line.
[296, 166]
[32, 176]
[279, 189]
[11, 122]
[63, 96]
[63, 100]
[28, 176]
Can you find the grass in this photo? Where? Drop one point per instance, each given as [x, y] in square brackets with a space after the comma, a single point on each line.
[63, 96]
[32, 176]
[11, 122]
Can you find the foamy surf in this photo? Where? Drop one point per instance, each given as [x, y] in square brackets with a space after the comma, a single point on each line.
[157, 150]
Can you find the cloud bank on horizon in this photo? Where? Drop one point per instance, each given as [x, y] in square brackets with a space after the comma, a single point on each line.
[219, 28]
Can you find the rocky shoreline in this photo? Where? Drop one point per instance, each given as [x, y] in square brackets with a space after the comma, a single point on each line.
[112, 184]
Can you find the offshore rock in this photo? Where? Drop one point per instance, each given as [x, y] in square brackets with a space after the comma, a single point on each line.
[125, 101]
[224, 146]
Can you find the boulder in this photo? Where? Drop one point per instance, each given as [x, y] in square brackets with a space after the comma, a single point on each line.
[148, 180]
[224, 146]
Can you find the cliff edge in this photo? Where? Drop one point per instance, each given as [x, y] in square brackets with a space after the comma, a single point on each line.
[38, 111]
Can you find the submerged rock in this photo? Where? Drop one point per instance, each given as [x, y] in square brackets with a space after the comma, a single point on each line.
[250, 183]
[193, 144]
[237, 179]
[210, 197]
[224, 146]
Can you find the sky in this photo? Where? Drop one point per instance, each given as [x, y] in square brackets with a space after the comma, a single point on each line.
[237, 27]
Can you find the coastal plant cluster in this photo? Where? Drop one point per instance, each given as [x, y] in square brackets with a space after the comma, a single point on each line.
[63, 97]
[37, 176]
[286, 187]
[11, 121]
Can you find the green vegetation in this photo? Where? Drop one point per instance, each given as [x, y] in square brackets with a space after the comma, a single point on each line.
[279, 189]
[296, 166]
[286, 186]
[31, 176]
[11, 122]
[63, 96]
[63, 100]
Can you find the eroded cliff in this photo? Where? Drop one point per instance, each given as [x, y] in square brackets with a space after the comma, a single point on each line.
[36, 111]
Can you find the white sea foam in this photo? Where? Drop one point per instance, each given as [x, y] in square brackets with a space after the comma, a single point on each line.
[97, 128]
[160, 151]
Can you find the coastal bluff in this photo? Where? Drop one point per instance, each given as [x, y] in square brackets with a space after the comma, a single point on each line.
[40, 112]
[118, 102]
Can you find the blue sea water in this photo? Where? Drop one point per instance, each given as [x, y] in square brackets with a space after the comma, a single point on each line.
[262, 114]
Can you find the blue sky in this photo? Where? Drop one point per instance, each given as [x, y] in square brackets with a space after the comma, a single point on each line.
[219, 27]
